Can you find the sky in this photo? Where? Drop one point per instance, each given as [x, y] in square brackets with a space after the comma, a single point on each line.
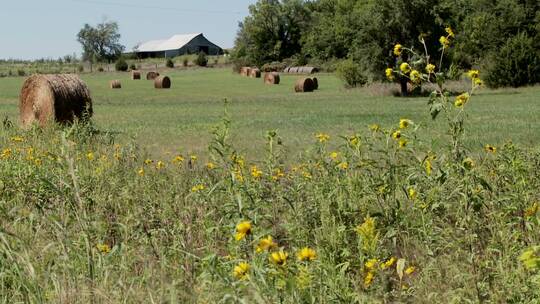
[32, 29]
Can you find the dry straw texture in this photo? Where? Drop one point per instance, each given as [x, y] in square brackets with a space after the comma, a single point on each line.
[135, 75]
[151, 75]
[304, 85]
[255, 73]
[271, 78]
[62, 98]
[162, 82]
[115, 84]
[245, 71]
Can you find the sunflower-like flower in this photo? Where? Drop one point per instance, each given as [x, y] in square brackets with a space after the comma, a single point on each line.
[266, 244]
[242, 230]
[306, 254]
[416, 77]
[279, 258]
[241, 271]
[398, 48]
[405, 68]
[389, 74]
[430, 68]
[461, 100]
[444, 42]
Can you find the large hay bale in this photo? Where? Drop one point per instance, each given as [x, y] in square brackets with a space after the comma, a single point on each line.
[286, 70]
[315, 83]
[271, 78]
[304, 85]
[162, 82]
[151, 75]
[62, 98]
[135, 75]
[245, 71]
[293, 70]
[255, 73]
[115, 84]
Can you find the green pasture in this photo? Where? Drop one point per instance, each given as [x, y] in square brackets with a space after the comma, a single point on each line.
[181, 119]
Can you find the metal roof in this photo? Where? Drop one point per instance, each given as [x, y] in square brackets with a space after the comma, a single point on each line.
[173, 43]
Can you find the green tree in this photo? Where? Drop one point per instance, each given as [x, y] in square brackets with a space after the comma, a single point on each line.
[100, 43]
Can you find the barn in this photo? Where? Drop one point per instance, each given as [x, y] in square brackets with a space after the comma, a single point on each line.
[177, 45]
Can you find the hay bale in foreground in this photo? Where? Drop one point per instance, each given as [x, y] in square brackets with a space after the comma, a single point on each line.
[162, 82]
[62, 98]
[135, 75]
[245, 71]
[255, 73]
[115, 84]
[271, 78]
[151, 75]
[315, 83]
[304, 85]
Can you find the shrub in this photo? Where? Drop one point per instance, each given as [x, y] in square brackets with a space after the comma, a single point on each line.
[21, 72]
[121, 65]
[275, 66]
[80, 68]
[516, 64]
[169, 63]
[133, 67]
[100, 69]
[202, 59]
[351, 74]
[185, 62]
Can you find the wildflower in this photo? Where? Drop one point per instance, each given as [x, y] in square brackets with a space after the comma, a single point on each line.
[531, 258]
[140, 171]
[278, 175]
[17, 139]
[103, 248]
[396, 135]
[307, 175]
[461, 100]
[238, 160]
[266, 244]
[398, 48]
[306, 254]
[148, 162]
[371, 264]
[404, 123]
[334, 155]
[490, 149]
[193, 158]
[90, 156]
[405, 68]
[473, 74]
[430, 68]
[389, 74]
[449, 31]
[368, 279]
[343, 166]
[428, 167]
[6, 153]
[415, 76]
[178, 159]
[37, 162]
[444, 42]
[368, 234]
[210, 166]
[478, 82]
[532, 210]
[160, 165]
[279, 258]
[355, 141]
[403, 143]
[410, 270]
[412, 193]
[468, 163]
[322, 137]
[198, 188]
[255, 172]
[388, 263]
[241, 271]
[243, 229]
[375, 127]
[237, 173]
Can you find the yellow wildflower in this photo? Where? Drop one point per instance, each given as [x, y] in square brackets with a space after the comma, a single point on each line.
[416, 77]
[266, 244]
[404, 123]
[255, 172]
[428, 167]
[412, 193]
[193, 158]
[478, 82]
[279, 258]
[430, 68]
[103, 248]
[368, 233]
[241, 271]
[160, 165]
[343, 166]
[490, 149]
[355, 141]
[322, 137]
[198, 188]
[449, 31]
[368, 279]
[178, 159]
[17, 139]
[532, 210]
[396, 135]
[306, 175]
[444, 42]
[242, 230]
[410, 270]
[375, 127]
[403, 143]
[461, 100]
[334, 155]
[388, 263]
[90, 156]
[148, 162]
[278, 175]
[398, 48]
[473, 74]
[306, 254]
[371, 264]
[468, 163]
[531, 258]
[140, 171]
[389, 74]
[405, 68]
[6, 153]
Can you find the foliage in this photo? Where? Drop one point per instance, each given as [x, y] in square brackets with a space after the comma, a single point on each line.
[201, 60]
[169, 63]
[517, 63]
[351, 74]
[132, 67]
[121, 65]
[100, 43]
[185, 62]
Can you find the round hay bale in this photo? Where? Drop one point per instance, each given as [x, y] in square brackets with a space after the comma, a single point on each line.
[151, 75]
[245, 71]
[135, 75]
[162, 82]
[255, 73]
[304, 85]
[310, 70]
[293, 70]
[286, 70]
[115, 84]
[315, 83]
[271, 78]
[62, 98]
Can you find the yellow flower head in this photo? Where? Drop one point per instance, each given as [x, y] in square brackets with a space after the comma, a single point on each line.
[160, 165]
[375, 127]
[241, 271]
[279, 174]
[388, 263]
[279, 258]
[449, 31]
[371, 264]
[210, 166]
[428, 167]
[306, 254]
[266, 244]
[343, 166]
[90, 156]
[140, 171]
[178, 159]
[255, 172]
[6, 153]
[416, 77]
[412, 193]
[490, 149]
[148, 162]
[403, 143]
[322, 137]
[468, 163]
[355, 140]
[473, 74]
[17, 139]
[405, 68]
[532, 210]
[444, 42]
[334, 155]
[461, 100]
[368, 279]
[404, 123]
[197, 188]
[430, 68]
[478, 82]
[398, 48]
[103, 248]
[242, 229]
[410, 270]
[389, 74]
[396, 135]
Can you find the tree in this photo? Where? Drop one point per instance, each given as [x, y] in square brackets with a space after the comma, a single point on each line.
[100, 43]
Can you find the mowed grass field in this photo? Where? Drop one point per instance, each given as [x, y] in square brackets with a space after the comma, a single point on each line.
[181, 119]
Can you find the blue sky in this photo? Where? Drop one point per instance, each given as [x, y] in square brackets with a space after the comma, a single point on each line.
[48, 28]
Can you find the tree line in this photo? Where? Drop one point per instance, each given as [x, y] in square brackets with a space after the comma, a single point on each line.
[501, 37]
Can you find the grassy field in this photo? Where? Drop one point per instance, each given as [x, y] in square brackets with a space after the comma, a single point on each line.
[181, 119]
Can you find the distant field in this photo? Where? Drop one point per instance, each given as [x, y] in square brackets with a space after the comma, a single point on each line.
[181, 119]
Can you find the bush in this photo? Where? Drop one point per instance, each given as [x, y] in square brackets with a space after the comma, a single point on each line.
[351, 74]
[100, 69]
[275, 66]
[185, 62]
[121, 65]
[133, 67]
[516, 64]
[80, 68]
[169, 63]
[21, 72]
[202, 60]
